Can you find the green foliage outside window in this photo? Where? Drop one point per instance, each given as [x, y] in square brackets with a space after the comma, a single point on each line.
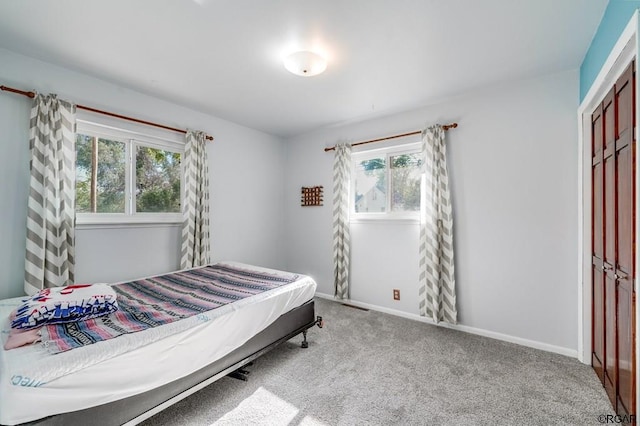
[110, 182]
[405, 179]
[157, 177]
[157, 180]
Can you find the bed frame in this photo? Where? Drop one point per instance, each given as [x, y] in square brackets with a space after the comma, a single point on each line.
[135, 409]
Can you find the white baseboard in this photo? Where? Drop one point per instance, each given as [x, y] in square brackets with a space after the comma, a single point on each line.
[471, 330]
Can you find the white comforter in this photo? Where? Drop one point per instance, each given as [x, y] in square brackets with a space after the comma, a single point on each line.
[35, 384]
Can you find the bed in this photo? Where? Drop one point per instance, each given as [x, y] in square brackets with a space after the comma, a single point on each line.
[127, 379]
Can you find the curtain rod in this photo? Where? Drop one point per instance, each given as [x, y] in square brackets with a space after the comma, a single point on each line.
[99, 111]
[417, 132]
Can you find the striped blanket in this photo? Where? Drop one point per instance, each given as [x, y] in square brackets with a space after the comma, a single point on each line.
[164, 299]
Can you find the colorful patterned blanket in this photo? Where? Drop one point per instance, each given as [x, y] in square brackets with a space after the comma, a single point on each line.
[164, 299]
[65, 304]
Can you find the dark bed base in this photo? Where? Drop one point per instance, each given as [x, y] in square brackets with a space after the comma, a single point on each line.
[139, 407]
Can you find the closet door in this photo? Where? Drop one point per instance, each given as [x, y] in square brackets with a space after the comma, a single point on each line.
[597, 213]
[624, 267]
[609, 184]
[613, 244]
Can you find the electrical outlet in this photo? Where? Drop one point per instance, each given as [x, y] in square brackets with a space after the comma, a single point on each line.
[396, 294]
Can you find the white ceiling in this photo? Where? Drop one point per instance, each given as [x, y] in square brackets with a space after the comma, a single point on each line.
[224, 57]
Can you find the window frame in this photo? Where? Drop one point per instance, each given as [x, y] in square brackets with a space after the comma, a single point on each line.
[388, 214]
[132, 139]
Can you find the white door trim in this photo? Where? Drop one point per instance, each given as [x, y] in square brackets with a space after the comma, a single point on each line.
[624, 51]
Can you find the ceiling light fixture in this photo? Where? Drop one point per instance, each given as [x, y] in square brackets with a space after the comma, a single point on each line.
[305, 63]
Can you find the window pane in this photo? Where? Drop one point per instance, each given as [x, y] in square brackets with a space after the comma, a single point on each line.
[371, 186]
[405, 182]
[107, 195]
[111, 176]
[157, 180]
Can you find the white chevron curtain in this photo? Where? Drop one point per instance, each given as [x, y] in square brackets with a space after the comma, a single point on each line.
[341, 238]
[49, 259]
[437, 282]
[195, 209]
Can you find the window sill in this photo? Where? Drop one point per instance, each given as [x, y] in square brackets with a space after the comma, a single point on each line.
[386, 219]
[117, 220]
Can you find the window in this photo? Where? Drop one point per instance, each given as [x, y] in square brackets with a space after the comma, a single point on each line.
[125, 177]
[386, 183]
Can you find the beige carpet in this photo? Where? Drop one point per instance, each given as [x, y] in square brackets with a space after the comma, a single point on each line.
[368, 368]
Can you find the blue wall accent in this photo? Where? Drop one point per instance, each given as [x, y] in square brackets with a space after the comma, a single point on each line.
[615, 19]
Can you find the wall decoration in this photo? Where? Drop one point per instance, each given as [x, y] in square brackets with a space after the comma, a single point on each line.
[311, 196]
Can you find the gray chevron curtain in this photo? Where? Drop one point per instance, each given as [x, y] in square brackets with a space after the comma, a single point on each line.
[437, 282]
[341, 238]
[195, 209]
[49, 259]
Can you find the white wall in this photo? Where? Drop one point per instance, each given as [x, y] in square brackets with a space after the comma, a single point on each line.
[514, 181]
[246, 168]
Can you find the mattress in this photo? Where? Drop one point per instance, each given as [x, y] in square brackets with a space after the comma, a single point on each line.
[36, 384]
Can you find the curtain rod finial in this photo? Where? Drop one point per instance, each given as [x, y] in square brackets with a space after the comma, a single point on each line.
[20, 92]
